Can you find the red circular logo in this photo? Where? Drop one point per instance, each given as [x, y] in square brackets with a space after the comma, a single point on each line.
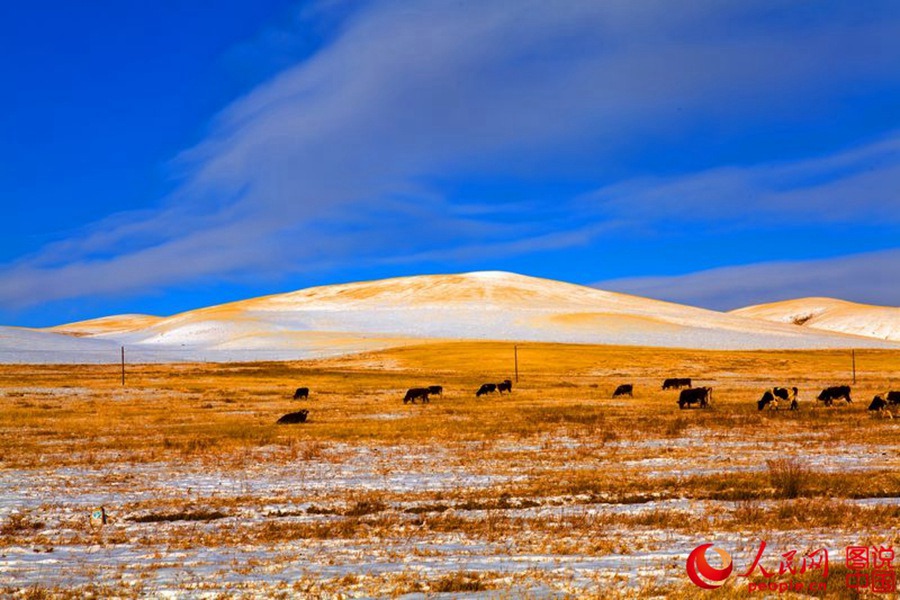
[702, 573]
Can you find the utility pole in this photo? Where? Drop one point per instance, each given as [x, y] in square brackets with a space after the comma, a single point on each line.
[853, 358]
[123, 365]
[516, 355]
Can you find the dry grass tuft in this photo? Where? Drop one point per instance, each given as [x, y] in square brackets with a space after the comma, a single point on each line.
[366, 506]
[462, 581]
[20, 523]
[677, 427]
[184, 515]
[789, 476]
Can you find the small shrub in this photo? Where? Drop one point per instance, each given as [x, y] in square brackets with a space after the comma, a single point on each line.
[789, 476]
[20, 523]
[458, 582]
[366, 506]
[749, 511]
[312, 450]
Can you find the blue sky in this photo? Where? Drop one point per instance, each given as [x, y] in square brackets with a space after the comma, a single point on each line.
[157, 157]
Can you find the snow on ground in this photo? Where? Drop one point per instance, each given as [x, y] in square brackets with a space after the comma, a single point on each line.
[829, 314]
[266, 491]
[341, 319]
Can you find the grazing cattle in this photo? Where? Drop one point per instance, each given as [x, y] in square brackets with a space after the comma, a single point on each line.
[505, 386]
[294, 417]
[771, 398]
[486, 388]
[413, 393]
[878, 403]
[694, 395]
[676, 382]
[626, 389]
[768, 399]
[879, 407]
[892, 397]
[436, 390]
[301, 393]
[829, 395]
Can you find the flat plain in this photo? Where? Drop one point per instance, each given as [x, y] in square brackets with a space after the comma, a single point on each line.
[555, 490]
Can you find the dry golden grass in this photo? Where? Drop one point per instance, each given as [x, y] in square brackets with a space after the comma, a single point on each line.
[201, 409]
[553, 456]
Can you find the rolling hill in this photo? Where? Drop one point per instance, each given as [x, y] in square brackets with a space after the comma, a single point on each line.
[339, 319]
[830, 314]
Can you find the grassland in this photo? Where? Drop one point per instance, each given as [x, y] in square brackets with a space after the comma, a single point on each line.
[554, 490]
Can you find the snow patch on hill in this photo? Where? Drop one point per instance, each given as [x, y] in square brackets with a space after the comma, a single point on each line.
[830, 314]
[111, 324]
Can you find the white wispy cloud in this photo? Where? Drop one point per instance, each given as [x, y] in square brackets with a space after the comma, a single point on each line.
[853, 186]
[327, 162]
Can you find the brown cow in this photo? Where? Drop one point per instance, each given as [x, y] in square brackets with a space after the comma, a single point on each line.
[293, 418]
[486, 388]
[676, 383]
[414, 393]
[694, 395]
[626, 389]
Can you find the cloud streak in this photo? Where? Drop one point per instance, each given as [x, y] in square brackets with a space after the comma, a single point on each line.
[854, 186]
[328, 163]
[867, 278]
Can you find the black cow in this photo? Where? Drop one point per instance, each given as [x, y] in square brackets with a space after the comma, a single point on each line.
[878, 403]
[294, 417]
[676, 382]
[486, 388]
[768, 399]
[505, 386]
[694, 395]
[829, 395]
[413, 393]
[626, 389]
[892, 397]
[301, 393]
[436, 390]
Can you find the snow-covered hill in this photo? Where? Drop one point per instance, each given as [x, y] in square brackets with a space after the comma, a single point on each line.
[23, 345]
[339, 319]
[829, 314]
[111, 324]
